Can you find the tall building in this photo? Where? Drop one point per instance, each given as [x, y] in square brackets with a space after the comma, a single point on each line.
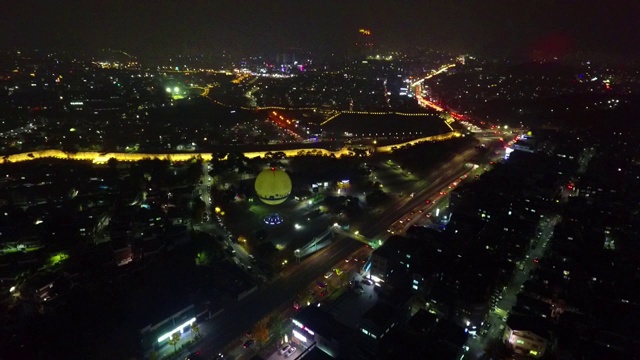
[364, 43]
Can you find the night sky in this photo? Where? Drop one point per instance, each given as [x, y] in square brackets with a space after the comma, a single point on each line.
[163, 26]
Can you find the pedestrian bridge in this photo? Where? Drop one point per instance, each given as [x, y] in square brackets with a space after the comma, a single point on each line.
[325, 239]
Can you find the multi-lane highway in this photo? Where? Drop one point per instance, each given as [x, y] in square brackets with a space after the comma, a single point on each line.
[423, 189]
[417, 88]
[239, 317]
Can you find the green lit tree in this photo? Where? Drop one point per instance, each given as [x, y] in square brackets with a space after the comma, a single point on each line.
[195, 330]
[173, 340]
[203, 258]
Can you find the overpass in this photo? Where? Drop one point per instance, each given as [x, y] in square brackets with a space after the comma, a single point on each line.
[326, 238]
[353, 235]
[317, 243]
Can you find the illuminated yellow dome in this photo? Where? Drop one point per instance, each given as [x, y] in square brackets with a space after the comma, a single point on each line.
[273, 186]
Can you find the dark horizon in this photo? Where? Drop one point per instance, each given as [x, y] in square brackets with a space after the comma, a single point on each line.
[491, 26]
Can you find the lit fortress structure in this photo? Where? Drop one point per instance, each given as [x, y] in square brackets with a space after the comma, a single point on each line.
[102, 157]
[273, 186]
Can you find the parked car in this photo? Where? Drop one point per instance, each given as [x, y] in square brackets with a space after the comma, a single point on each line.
[328, 274]
[247, 344]
[284, 349]
[290, 352]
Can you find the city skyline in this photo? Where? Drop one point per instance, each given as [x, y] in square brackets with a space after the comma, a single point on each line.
[167, 27]
[350, 180]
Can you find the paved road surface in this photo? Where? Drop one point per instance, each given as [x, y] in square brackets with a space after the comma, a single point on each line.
[241, 316]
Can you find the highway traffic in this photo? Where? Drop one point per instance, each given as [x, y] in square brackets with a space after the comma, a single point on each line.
[239, 317]
[235, 320]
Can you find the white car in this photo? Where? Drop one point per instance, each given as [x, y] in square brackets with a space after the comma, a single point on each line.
[284, 349]
[290, 352]
[328, 274]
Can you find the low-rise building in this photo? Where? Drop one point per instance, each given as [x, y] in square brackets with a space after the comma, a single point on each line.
[378, 321]
[312, 326]
[527, 335]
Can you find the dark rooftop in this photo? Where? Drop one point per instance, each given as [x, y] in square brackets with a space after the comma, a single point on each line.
[422, 321]
[536, 325]
[380, 314]
[321, 322]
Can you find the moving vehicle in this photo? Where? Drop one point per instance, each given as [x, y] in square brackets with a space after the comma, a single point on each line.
[328, 274]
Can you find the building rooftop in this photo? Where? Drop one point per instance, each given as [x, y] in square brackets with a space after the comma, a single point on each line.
[536, 325]
[451, 334]
[380, 314]
[316, 354]
[422, 321]
[321, 322]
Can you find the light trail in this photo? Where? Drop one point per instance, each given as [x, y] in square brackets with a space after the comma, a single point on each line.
[418, 88]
